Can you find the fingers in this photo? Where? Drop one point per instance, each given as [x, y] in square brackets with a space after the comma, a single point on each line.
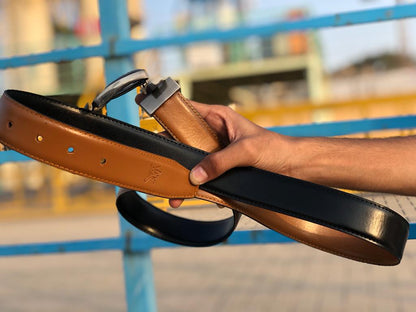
[221, 119]
[165, 134]
[203, 109]
[213, 166]
[175, 202]
[237, 154]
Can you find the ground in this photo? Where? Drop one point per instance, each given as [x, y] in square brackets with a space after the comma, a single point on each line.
[273, 277]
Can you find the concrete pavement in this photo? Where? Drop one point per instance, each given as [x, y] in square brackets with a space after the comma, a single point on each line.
[274, 277]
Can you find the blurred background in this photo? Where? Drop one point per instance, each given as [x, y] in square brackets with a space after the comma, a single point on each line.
[343, 73]
[289, 78]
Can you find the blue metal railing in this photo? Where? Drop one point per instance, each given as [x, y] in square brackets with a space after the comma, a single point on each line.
[116, 48]
[133, 245]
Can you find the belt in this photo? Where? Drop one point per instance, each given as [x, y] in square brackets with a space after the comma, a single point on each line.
[87, 143]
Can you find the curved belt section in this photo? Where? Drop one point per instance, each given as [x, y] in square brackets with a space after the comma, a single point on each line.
[108, 150]
[172, 228]
[29, 130]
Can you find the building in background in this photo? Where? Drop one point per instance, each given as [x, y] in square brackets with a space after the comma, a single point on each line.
[32, 34]
[34, 26]
[251, 72]
[257, 72]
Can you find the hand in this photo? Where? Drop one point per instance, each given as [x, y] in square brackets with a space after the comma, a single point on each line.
[247, 144]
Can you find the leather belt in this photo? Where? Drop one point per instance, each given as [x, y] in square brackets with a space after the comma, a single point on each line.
[87, 143]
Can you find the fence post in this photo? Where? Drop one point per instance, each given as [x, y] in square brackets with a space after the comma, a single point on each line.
[138, 271]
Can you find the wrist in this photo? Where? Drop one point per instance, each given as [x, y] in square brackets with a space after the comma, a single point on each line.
[282, 155]
[306, 158]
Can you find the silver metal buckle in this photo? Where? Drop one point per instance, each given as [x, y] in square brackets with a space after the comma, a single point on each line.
[119, 87]
[157, 94]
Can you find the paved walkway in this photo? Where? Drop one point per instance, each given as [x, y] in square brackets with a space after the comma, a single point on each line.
[288, 277]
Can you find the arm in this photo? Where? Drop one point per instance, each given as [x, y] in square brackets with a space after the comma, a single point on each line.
[382, 165]
[379, 165]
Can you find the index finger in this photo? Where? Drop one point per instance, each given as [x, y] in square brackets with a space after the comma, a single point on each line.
[203, 109]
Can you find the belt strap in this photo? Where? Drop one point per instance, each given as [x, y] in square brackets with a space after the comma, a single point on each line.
[108, 150]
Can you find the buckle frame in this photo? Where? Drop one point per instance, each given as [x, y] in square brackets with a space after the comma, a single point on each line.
[123, 84]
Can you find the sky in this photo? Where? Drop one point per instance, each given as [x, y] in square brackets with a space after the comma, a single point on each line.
[340, 46]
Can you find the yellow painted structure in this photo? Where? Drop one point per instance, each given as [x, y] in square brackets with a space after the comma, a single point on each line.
[307, 112]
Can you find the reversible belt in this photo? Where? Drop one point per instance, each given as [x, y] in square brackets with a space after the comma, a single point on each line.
[87, 143]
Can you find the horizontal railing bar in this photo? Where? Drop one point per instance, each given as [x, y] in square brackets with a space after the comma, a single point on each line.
[131, 244]
[126, 47]
[146, 242]
[348, 127]
[112, 243]
[335, 20]
[12, 156]
[56, 56]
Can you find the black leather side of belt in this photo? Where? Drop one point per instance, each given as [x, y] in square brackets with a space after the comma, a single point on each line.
[269, 191]
[171, 228]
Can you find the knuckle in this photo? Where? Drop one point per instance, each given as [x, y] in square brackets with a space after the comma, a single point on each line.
[214, 165]
[227, 110]
[223, 110]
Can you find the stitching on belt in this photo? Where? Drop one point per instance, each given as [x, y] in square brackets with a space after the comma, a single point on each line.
[165, 161]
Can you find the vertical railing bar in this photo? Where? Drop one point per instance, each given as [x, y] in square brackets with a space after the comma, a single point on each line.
[138, 271]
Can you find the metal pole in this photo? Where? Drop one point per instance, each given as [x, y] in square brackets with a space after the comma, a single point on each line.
[402, 33]
[138, 271]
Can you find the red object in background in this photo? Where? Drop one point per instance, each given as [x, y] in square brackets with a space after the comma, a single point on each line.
[87, 27]
[298, 41]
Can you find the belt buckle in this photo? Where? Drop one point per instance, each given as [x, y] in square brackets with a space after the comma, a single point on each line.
[133, 79]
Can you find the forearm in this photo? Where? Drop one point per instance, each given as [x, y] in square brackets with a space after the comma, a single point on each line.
[385, 165]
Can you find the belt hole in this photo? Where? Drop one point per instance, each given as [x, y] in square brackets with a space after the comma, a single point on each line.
[103, 161]
[70, 150]
[39, 138]
[10, 124]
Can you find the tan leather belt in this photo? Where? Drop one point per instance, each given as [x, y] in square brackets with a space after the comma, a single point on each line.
[96, 146]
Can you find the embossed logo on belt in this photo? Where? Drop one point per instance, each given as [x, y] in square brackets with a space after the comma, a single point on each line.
[155, 173]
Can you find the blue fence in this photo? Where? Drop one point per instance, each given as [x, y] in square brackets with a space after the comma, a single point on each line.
[116, 48]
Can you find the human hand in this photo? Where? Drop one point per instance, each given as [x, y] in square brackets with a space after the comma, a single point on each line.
[247, 144]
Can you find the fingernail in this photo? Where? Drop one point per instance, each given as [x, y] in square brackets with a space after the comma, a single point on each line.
[198, 175]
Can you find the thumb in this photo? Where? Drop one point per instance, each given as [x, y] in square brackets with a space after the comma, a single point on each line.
[215, 164]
